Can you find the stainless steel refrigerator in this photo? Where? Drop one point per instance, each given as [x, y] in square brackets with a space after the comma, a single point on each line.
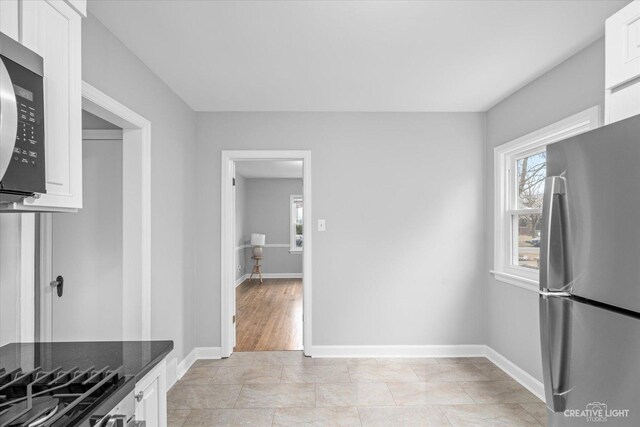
[590, 278]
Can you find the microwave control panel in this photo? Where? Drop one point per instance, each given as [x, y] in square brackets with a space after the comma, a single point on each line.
[26, 150]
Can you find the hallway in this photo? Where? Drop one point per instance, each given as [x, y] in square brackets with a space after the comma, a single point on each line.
[269, 315]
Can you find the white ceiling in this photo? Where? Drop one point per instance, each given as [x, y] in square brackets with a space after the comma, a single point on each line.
[352, 55]
[269, 169]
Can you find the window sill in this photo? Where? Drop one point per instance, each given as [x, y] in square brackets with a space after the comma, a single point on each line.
[518, 281]
[295, 252]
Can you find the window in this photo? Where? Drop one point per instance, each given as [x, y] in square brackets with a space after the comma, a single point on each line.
[520, 172]
[296, 237]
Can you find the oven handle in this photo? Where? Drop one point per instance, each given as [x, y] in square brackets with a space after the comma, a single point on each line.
[8, 119]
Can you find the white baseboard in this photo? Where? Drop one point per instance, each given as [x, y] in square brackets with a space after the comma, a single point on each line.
[398, 351]
[529, 382]
[176, 370]
[172, 374]
[208, 353]
[240, 280]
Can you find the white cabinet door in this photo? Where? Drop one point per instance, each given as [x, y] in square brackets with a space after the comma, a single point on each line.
[9, 18]
[148, 407]
[52, 29]
[623, 46]
[151, 397]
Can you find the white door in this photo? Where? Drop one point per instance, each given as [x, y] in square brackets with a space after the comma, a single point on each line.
[87, 252]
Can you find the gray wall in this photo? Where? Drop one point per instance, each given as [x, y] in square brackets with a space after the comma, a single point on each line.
[401, 261]
[91, 121]
[571, 87]
[267, 212]
[87, 250]
[108, 65]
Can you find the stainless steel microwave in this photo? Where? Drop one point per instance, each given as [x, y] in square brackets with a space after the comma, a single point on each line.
[22, 159]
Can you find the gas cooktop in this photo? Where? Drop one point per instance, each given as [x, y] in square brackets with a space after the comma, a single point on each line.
[57, 397]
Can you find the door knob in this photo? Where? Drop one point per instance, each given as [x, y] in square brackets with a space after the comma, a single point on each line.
[58, 284]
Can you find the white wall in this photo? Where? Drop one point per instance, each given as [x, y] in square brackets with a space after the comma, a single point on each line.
[108, 65]
[573, 86]
[401, 261]
[268, 212]
[87, 251]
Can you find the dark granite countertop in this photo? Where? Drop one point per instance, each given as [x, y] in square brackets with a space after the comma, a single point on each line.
[136, 357]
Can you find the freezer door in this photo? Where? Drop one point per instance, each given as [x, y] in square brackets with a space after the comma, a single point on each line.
[590, 362]
[597, 195]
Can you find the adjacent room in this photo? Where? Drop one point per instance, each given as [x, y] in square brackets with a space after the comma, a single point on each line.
[269, 234]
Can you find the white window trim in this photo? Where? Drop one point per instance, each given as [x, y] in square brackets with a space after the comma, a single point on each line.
[292, 228]
[504, 155]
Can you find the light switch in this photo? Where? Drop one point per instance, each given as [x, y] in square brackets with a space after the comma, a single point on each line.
[321, 225]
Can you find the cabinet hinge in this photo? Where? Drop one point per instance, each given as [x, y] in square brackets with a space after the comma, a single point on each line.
[234, 318]
[233, 182]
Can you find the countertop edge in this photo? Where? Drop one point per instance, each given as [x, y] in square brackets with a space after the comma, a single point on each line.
[149, 366]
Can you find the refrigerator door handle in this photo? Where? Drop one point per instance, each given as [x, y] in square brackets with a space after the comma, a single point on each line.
[555, 265]
[555, 340]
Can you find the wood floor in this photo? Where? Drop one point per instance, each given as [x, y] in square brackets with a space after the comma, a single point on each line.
[269, 315]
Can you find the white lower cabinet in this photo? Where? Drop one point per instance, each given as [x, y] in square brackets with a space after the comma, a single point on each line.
[151, 397]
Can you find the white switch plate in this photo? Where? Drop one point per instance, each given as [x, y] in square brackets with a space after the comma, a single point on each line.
[321, 225]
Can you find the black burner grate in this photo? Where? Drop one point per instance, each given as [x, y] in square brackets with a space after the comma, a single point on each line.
[53, 398]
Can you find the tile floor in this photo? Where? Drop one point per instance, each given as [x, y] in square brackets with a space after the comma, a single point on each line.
[288, 389]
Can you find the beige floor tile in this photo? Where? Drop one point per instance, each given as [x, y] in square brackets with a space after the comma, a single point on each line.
[408, 416]
[247, 374]
[489, 415]
[316, 417]
[498, 392]
[462, 360]
[316, 374]
[353, 394]
[349, 361]
[277, 396]
[177, 417]
[198, 375]
[415, 394]
[203, 397]
[230, 417]
[538, 410]
[382, 374]
[441, 372]
[406, 361]
[236, 359]
[286, 358]
[492, 371]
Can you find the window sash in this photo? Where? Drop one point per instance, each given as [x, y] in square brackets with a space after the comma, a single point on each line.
[506, 157]
[294, 200]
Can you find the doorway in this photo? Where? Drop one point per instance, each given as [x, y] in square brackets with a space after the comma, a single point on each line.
[87, 246]
[272, 314]
[124, 291]
[269, 235]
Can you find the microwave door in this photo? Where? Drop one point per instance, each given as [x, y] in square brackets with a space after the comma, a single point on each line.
[8, 119]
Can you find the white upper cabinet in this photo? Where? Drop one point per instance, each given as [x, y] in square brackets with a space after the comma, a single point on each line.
[623, 46]
[52, 29]
[622, 81]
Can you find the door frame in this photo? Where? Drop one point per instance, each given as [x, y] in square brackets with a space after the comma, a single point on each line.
[228, 243]
[136, 140]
